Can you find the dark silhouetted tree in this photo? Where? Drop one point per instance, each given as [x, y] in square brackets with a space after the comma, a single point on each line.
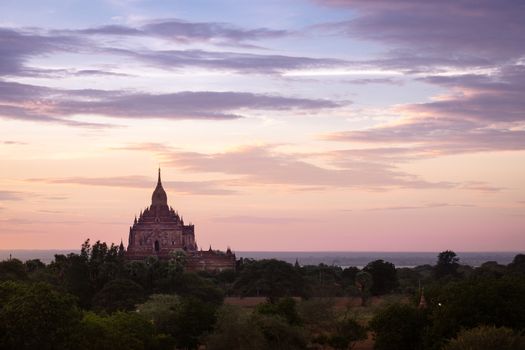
[35, 316]
[383, 275]
[270, 278]
[517, 266]
[119, 294]
[447, 265]
[487, 338]
[236, 330]
[12, 270]
[398, 327]
[471, 303]
[364, 282]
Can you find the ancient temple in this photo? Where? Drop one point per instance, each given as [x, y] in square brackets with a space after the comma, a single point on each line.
[159, 231]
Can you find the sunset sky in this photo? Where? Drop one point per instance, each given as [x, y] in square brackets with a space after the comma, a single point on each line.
[333, 125]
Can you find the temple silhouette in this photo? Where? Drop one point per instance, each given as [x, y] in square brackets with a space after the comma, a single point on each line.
[160, 232]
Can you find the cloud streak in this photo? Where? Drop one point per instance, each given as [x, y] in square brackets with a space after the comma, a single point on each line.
[18, 46]
[423, 206]
[11, 195]
[265, 165]
[259, 220]
[480, 113]
[185, 187]
[454, 33]
[240, 62]
[37, 103]
[178, 30]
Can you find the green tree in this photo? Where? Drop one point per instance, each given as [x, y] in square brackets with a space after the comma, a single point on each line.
[318, 314]
[323, 280]
[140, 272]
[105, 262]
[398, 327]
[279, 334]
[471, 303]
[409, 279]
[119, 294]
[235, 330]
[33, 265]
[271, 278]
[364, 282]
[490, 269]
[284, 307]
[347, 332]
[160, 309]
[348, 276]
[35, 316]
[187, 320]
[447, 264]
[119, 331]
[383, 275]
[517, 266]
[74, 276]
[487, 338]
[12, 269]
[189, 284]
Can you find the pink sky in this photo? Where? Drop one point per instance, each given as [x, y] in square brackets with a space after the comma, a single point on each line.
[282, 125]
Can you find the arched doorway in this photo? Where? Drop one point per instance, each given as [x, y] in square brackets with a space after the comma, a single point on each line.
[157, 246]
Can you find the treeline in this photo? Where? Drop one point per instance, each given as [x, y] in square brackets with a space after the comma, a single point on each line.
[99, 300]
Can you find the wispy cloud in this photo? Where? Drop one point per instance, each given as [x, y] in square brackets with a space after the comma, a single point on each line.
[482, 113]
[438, 137]
[11, 195]
[240, 62]
[482, 187]
[11, 142]
[178, 30]
[440, 33]
[422, 206]
[37, 103]
[261, 220]
[186, 187]
[264, 165]
[18, 46]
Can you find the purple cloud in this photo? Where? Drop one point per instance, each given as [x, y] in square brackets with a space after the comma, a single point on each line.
[11, 195]
[36, 103]
[481, 113]
[264, 166]
[259, 220]
[367, 81]
[17, 46]
[95, 72]
[184, 31]
[422, 206]
[224, 60]
[186, 187]
[494, 98]
[11, 142]
[465, 31]
[438, 137]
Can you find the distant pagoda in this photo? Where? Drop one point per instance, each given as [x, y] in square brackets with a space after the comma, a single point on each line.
[159, 231]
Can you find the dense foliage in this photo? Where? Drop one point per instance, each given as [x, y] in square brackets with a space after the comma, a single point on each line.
[99, 300]
[487, 338]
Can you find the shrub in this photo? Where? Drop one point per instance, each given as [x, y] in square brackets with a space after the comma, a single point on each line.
[487, 338]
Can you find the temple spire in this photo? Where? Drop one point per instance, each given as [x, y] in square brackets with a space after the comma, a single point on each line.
[159, 197]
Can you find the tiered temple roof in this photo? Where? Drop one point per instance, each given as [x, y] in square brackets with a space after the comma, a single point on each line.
[160, 231]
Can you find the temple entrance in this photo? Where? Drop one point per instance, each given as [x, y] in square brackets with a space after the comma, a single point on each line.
[157, 246]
